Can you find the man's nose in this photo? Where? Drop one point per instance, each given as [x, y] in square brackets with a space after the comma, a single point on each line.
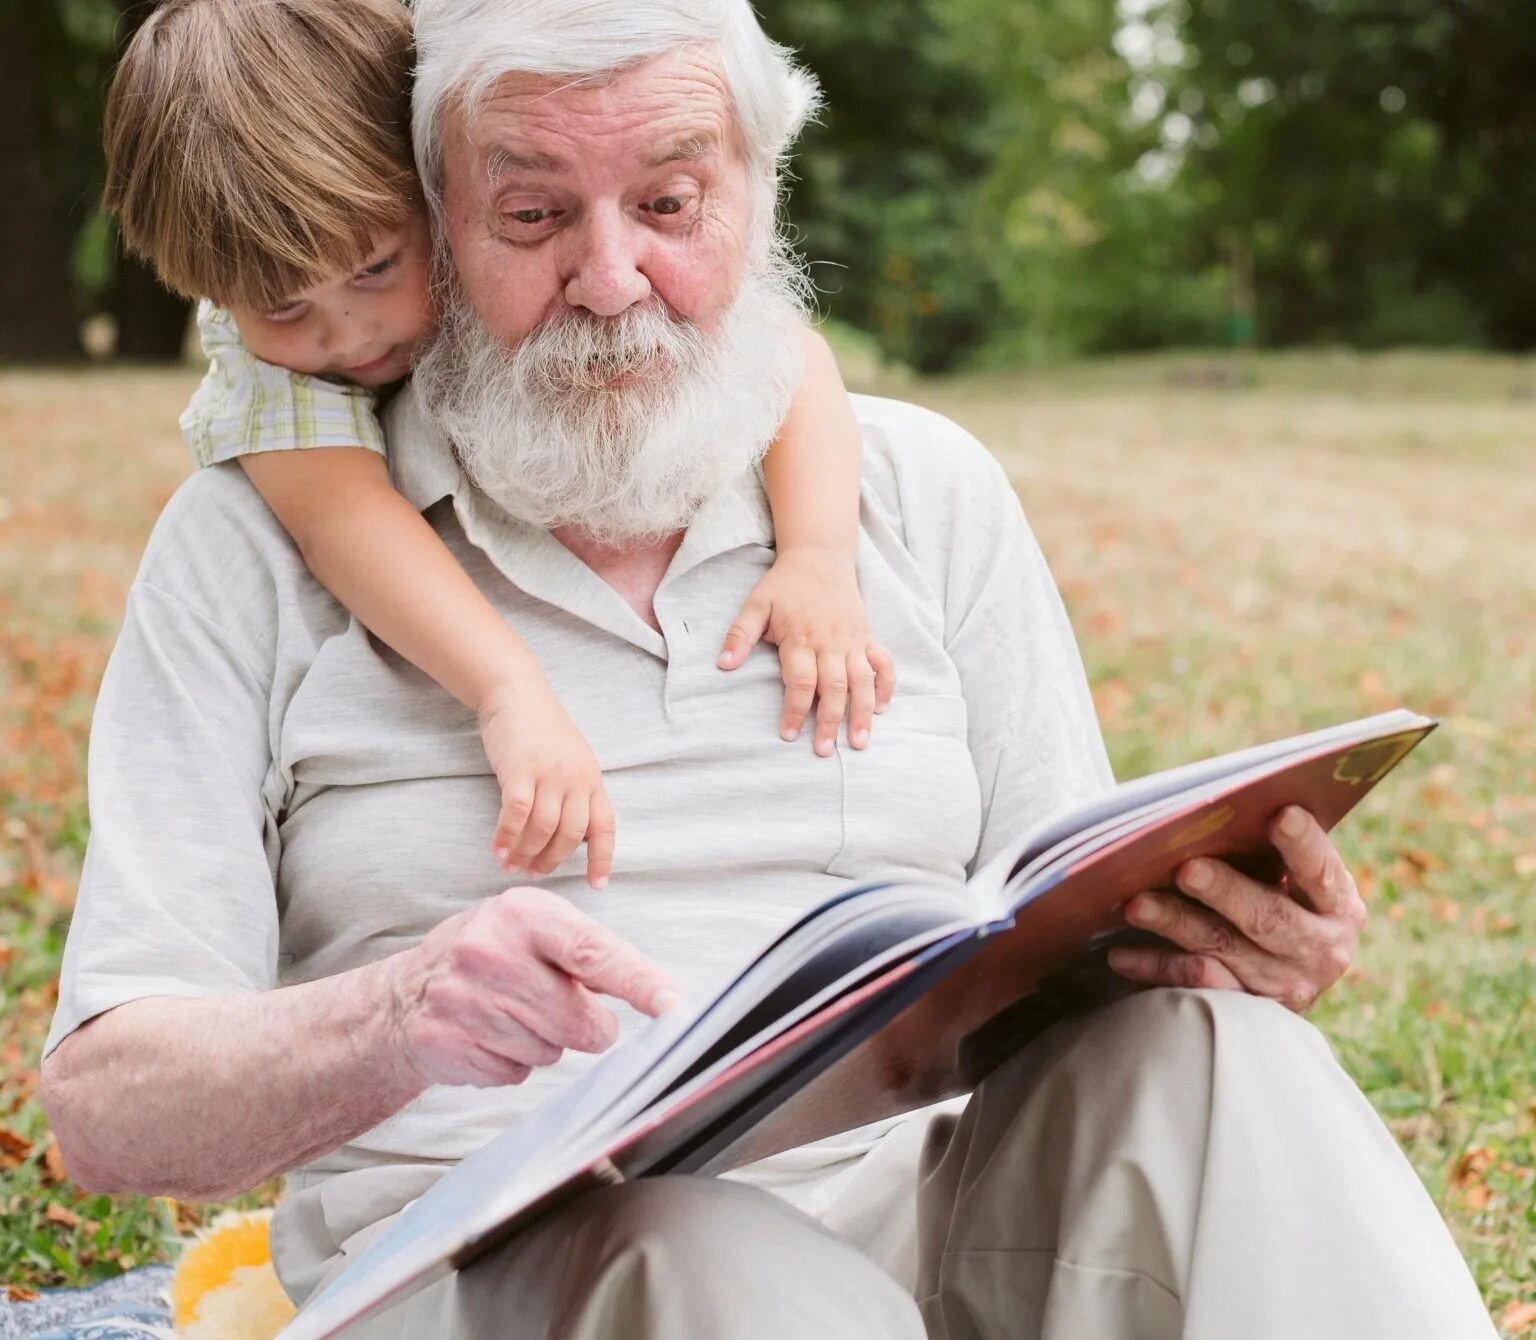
[606, 277]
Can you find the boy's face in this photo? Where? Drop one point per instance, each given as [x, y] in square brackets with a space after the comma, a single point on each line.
[365, 326]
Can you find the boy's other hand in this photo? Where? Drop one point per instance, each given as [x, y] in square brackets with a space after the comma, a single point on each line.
[552, 793]
[808, 604]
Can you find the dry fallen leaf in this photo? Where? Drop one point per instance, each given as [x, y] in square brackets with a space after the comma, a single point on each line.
[53, 1163]
[1517, 1317]
[59, 1214]
[17, 1293]
[13, 1148]
[1474, 1163]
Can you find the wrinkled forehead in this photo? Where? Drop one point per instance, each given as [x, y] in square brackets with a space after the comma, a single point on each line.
[670, 108]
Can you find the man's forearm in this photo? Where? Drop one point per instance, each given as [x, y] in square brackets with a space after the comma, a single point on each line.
[204, 1098]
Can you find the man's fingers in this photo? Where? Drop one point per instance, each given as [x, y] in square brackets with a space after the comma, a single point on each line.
[1263, 914]
[1191, 927]
[1314, 865]
[884, 666]
[1171, 967]
[861, 699]
[558, 1013]
[1200, 932]
[797, 665]
[745, 633]
[832, 692]
[516, 805]
[602, 962]
[601, 836]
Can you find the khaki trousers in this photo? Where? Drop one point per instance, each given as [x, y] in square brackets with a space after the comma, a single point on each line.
[1179, 1163]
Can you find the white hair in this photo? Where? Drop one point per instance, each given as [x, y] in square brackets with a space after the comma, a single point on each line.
[464, 46]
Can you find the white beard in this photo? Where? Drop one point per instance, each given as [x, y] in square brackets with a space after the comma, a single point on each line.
[542, 430]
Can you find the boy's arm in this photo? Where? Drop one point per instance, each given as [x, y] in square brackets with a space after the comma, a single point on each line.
[809, 602]
[814, 468]
[377, 555]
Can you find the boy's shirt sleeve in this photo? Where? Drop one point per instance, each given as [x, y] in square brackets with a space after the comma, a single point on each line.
[245, 406]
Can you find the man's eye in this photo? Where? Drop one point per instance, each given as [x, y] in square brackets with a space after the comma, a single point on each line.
[668, 204]
[531, 215]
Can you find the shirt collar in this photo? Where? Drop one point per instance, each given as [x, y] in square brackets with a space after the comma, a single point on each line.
[426, 471]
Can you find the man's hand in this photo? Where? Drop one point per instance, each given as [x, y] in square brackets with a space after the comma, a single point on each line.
[509, 985]
[1290, 943]
[808, 605]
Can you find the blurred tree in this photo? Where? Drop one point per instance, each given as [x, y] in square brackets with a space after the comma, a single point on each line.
[885, 199]
[1093, 254]
[1376, 155]
[151, 320]
[38, 313]
[62, 259]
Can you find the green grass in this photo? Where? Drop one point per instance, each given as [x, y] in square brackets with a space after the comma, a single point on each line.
[1247, 550]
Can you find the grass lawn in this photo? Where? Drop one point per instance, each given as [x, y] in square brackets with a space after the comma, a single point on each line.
[1245, 554]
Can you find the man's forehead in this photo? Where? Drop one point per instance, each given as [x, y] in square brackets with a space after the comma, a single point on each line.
[672, 108]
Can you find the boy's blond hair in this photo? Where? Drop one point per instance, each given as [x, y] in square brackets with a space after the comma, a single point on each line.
[255, 147]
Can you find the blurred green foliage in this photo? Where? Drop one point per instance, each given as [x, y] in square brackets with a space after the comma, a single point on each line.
[995, 181]
[1003, 181]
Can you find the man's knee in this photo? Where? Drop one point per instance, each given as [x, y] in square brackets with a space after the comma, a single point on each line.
[685, 1257]
[1164, 1037]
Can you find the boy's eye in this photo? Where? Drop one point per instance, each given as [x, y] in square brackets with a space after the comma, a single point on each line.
[288, 312]
[379, 267]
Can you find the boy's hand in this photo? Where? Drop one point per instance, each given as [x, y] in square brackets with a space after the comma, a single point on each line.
[809, 605]
[552, 794]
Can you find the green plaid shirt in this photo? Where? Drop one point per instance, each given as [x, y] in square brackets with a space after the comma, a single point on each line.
[245, 406]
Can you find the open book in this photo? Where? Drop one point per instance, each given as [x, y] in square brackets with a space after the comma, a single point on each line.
[881, 1000]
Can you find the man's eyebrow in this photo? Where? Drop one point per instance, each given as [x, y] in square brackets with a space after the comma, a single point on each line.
[503, 161]
[689, 149]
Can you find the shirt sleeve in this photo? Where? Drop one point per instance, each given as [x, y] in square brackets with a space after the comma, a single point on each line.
[245, 406]
[177, 894]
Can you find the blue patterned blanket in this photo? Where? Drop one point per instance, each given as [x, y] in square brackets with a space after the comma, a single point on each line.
[130, 1307]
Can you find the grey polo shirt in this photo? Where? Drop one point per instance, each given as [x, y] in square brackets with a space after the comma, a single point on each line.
[275, 796]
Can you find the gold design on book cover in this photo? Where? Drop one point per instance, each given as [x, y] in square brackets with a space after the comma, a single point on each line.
[1367, 764]
[1206, 826]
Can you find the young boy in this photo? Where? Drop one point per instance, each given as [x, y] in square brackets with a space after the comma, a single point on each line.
[258, 156]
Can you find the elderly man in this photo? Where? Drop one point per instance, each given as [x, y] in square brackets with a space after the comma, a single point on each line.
[292, 955]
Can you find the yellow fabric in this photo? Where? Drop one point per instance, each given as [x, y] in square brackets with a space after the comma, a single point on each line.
[224, 1287]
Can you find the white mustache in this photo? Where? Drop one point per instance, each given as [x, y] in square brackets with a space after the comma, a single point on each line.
[622, 426]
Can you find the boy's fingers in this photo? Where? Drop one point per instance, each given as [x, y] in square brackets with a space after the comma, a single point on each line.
[568, 835]
[516, 806]
[797, 665]
[832, 689]
[600, 841]
[861, 699]
[745, 633]
[884, 666]
[543, 820]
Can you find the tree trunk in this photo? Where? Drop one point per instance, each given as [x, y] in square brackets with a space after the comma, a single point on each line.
[38, 316]
[151, 320]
